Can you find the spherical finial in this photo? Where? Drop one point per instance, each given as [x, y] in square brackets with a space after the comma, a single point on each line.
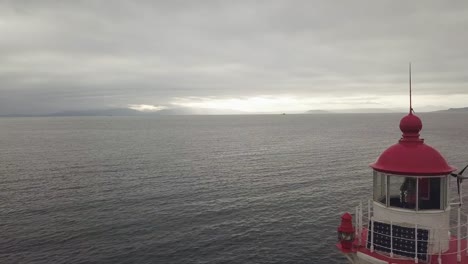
[410, 125]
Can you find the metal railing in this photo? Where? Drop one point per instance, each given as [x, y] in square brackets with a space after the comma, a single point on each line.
[362, 220]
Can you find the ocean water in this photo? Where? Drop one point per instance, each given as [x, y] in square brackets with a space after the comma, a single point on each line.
[193, 189]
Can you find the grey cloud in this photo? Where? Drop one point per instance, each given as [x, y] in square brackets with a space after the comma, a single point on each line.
[60, 55]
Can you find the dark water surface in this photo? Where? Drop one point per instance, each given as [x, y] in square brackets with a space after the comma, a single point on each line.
[192, 189]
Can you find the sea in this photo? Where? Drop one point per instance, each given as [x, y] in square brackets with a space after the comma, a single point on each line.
[193, 189]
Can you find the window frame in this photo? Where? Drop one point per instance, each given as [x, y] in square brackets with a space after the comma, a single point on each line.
[444, 186]
[383, 189]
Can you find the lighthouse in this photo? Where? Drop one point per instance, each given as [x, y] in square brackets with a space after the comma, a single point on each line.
[408, 217]
[411, 185]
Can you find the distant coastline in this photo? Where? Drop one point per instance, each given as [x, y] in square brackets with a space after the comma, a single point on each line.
[454, 110]
[188, 111]
[356, 111]
[382, 111]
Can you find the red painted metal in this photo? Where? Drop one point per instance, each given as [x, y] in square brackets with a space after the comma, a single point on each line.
[346, 233]
[411, 156]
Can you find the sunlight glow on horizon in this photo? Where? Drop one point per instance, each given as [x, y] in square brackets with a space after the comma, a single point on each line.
[246, 104]
[296, 104]
[146, 108]
[301, 104]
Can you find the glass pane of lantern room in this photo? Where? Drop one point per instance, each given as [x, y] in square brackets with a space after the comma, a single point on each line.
[445, 194]
[379, 188]
[430, 191]
[402, 191]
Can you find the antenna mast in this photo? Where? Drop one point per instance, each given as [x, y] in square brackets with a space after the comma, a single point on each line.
[410, 102]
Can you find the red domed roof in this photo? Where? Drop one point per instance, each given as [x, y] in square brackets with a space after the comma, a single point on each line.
[410, 156]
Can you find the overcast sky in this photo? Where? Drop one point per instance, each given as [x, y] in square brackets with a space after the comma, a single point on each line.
[251, 56]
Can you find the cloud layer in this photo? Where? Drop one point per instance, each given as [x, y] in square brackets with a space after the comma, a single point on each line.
[265, 56]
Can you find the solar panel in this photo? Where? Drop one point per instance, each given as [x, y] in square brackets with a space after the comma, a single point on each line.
[402, 240]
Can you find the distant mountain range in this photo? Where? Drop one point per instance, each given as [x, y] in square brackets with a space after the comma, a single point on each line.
[455, 110]
[356, 111]
[382, 110]
[132, 112]
[318, 112]
[191, 111]
[100, 112]
[123, 112]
